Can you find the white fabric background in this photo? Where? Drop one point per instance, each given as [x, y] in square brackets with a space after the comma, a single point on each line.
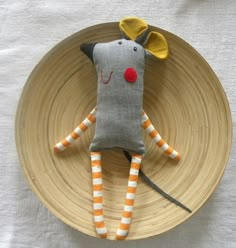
[28, 29]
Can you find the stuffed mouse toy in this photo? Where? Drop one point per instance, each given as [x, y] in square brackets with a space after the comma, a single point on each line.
[119, 113]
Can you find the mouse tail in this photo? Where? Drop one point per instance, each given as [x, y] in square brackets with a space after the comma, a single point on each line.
[157, 188]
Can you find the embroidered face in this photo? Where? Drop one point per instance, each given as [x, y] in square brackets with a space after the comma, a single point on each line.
[119, 62]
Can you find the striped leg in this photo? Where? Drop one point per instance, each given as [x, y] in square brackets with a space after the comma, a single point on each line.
[147, 125]
[129, 199]
[70, 139]
[97, 194]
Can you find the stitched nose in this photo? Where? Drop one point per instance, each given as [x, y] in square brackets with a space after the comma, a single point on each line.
[130, 75]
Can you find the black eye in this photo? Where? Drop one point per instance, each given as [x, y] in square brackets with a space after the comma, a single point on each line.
[135, 49]
[120, 42]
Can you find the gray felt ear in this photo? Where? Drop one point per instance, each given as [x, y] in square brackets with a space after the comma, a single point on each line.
[147, 53]
[88, 49]
[141, 38]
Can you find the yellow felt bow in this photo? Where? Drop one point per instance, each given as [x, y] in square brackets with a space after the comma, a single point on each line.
[155, 42]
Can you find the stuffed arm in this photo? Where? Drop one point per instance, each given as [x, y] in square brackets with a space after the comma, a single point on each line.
[150, 129]
[83, 126]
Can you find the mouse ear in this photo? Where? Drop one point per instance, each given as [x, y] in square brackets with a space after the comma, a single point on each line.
[133, 27]
[156, 45]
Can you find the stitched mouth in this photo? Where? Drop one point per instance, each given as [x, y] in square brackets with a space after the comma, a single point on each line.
[108, 80]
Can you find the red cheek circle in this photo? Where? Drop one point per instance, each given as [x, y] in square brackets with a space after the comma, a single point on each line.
[130, 75]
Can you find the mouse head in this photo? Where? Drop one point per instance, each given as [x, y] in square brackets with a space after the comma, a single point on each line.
[122, 61]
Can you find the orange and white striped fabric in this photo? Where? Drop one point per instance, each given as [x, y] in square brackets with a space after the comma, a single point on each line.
[96, 166]
[97, 194]
[168, 150]
[130, 196]
[70, 139]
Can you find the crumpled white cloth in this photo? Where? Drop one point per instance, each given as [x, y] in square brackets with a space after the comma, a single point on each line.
[28, 29]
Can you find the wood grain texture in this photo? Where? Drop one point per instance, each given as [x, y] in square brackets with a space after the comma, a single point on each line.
[183, 98]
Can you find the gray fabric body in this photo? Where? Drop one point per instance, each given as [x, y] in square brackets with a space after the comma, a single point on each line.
[119, 103]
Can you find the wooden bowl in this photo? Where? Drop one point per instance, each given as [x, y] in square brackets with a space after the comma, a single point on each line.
[186, 103]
